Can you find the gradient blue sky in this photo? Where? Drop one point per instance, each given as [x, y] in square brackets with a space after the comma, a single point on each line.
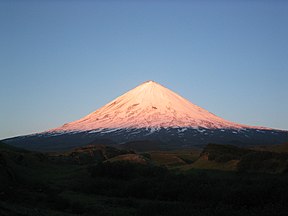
[61, 60]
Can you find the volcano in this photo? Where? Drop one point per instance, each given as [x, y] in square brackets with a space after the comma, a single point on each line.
[149, 105]
[150, 112]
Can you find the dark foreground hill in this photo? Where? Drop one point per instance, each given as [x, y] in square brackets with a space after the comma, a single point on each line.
[248, 160]
[101, 180]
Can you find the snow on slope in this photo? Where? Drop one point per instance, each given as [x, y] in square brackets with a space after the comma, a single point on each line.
[149, 105]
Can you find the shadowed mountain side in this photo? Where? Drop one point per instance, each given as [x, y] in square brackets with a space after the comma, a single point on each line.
[164, 138]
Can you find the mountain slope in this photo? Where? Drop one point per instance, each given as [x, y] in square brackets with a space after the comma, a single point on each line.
[150, 112]
[149, 105]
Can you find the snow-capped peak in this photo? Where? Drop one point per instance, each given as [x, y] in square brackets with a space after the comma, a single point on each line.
[149, 105]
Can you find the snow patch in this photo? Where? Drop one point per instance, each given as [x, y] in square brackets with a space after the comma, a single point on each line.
[96, 131]
[182, 130]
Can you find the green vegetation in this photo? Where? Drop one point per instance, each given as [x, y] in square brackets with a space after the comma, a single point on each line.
[224, 153]
[281, 148]
[269, 162]
[172, 159]
[89, 154]
[100, 180]
[246, 160]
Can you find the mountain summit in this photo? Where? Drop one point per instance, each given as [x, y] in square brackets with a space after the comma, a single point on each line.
[149, 105]
[153, 116]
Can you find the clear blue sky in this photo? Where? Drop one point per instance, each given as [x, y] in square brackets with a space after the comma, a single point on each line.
[60, 60]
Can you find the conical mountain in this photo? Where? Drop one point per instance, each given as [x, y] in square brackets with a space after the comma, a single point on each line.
[150, 116]
[149, 105]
